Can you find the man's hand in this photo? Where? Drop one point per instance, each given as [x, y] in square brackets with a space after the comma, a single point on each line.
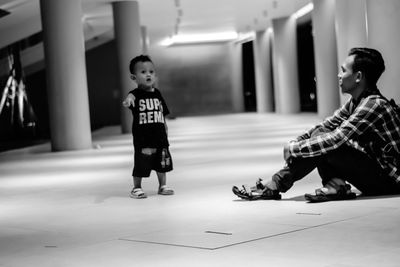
[129, 100]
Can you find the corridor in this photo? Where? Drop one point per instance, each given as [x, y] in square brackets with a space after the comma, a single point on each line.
[73, 208]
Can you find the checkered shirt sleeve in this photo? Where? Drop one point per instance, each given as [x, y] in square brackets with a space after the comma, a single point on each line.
[372, 119]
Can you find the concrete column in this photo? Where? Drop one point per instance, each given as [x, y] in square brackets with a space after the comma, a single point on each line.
[286, 82]
[128, 40]
[236, 77]
[263, 76]
[351, 26]
[351, 29]
[326, 64]
[145, 40]
[383, 34]
[66, 74]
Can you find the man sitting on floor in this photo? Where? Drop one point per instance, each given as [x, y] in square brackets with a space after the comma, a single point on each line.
[359, 144]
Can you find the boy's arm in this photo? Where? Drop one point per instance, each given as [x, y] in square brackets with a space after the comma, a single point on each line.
[166, 126]
[129, 100]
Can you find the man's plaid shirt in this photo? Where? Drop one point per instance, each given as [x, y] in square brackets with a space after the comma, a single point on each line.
[371, 126]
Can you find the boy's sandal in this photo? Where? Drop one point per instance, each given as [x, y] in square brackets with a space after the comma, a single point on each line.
[138, 193]
[344, 193]
[165, 190]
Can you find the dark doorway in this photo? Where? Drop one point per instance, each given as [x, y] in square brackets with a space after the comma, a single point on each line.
[23, 112]
[306, 67]
[249, 86]
[36, 83]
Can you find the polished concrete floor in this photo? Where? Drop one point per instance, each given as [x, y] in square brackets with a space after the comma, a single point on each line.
[73, 208]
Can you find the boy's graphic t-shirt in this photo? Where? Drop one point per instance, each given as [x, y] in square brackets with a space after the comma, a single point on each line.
[149, 113]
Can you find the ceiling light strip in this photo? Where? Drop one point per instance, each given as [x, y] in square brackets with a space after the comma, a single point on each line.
[304, 10]
[200, 38]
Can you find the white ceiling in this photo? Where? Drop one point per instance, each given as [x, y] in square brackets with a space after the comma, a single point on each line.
[161, 17]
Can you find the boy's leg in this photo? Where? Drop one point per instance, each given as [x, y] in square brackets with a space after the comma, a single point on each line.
[162, 165]
[162, 180]
[141, 169]
[137, 182]
[137, 191]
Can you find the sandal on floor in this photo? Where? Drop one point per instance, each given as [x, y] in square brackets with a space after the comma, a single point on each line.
[165, 190]
[253, 193]
[138, 193]
[259, 184]
[344, 193]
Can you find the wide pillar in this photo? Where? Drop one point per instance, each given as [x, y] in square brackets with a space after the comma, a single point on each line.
[128, 40]
[262, 67]
[351, 26]
[351, 29]
[236, 77]
[286, 82]
[145, 40]
[66, 74]
[326, 64]
[383, 34]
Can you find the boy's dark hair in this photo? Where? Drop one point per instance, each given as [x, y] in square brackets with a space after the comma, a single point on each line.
[135, 60]
[369, 61]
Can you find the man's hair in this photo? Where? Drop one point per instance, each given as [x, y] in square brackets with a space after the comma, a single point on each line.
[369, 61]
[135, 60]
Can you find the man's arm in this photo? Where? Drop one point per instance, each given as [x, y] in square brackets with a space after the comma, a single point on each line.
[329, 123]
[365, 115]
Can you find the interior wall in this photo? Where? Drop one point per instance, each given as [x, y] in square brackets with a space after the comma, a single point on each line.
[103, 86]
[383, 34]
[194, 79]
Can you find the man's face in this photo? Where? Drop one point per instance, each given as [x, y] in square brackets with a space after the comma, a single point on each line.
[145, 74]
[347, 79]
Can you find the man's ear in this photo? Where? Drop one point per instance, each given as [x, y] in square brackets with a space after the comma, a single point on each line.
[133, 76]
[359, 76]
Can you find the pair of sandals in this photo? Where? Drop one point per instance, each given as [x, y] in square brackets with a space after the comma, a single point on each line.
[138, 193]
[260, 192]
